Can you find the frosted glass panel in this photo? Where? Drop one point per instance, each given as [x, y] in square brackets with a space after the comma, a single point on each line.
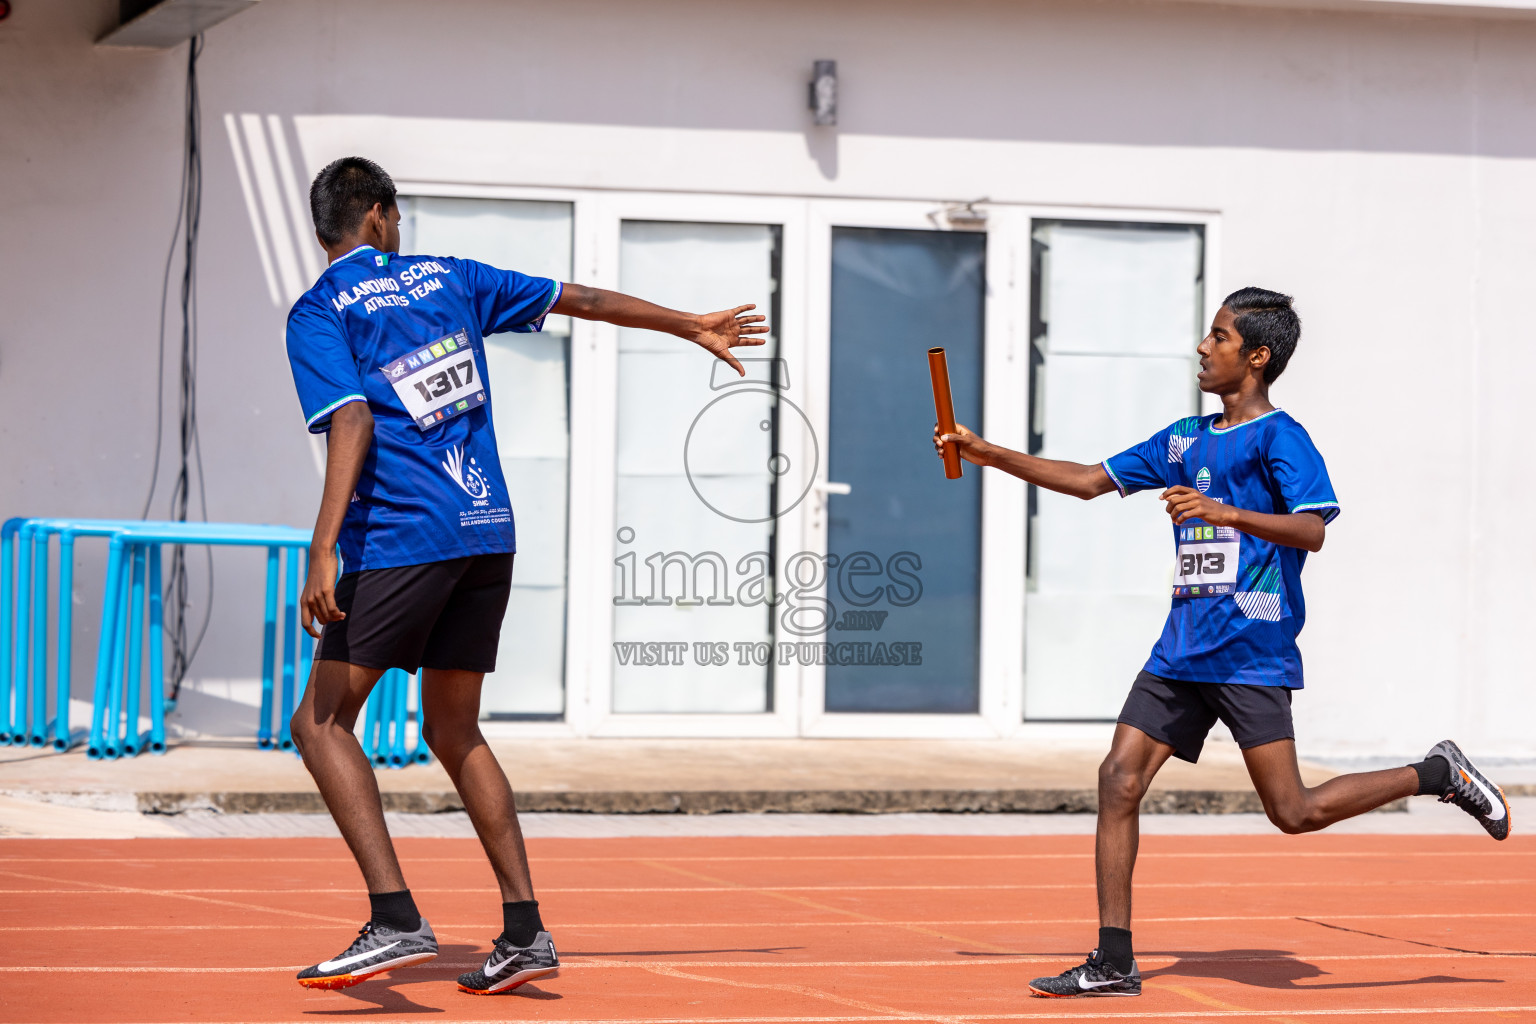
[533, 238]
[1117, 321]
[1123, 290]
[683, 567]
[529, 376]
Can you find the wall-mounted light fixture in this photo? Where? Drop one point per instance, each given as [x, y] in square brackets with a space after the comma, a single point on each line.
[824, 92]
[961, 216]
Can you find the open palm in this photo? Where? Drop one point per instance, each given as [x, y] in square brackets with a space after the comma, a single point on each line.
[730, 328]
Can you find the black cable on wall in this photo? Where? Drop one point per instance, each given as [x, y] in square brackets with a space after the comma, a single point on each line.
[184, 235]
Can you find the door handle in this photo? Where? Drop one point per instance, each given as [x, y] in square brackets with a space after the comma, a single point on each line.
[823, 489]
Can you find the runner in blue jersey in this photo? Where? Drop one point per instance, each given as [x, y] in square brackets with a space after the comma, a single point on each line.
[388, 355]
[1249, 497]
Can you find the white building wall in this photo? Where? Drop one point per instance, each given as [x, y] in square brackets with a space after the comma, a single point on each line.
[1381, 167]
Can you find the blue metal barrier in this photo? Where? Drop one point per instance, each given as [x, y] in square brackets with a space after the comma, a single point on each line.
[133, 594]
[132, 544]
[386, 717]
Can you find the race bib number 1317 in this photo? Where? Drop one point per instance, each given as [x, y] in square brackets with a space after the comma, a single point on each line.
[439, 382]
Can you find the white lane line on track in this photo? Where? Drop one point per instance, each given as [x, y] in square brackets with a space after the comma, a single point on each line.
[748, 886]
[572, 961]
[1078, 1013]
[597, 925]
[549, 862]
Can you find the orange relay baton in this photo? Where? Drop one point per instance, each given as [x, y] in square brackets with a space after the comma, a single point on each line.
[944, 407]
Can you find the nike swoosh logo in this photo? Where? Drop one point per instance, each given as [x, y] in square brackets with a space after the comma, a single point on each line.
[491, 972]
[1494, 802]
[343, 961]
[1084, 984]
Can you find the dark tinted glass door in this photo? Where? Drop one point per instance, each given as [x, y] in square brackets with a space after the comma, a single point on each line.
[904, 545]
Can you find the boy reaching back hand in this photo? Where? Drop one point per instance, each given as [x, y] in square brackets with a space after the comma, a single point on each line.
[388, 356]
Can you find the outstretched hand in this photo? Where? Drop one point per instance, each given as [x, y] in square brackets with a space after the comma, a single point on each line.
[720, 332]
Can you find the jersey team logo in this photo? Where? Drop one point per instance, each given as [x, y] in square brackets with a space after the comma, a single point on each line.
[1203, 480]
[466, 474]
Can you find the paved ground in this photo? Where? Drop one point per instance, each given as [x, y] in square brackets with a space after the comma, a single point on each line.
[628, 776]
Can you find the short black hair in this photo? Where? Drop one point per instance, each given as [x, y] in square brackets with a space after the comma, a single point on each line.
[343, 194]
[1265, 319]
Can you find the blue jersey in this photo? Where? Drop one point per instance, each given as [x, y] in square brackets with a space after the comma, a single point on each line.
[1237, 602]
[406, 335]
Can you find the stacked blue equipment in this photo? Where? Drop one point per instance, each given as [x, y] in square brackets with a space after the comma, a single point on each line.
[384, 721]
[133, 580]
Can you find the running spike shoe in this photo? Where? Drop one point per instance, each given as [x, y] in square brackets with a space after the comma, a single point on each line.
[377, 948]
[509, 966]
[1093, 978]
[1473, 791]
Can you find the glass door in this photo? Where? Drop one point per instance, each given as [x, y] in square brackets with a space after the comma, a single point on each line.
[686, 505]
[917, 618]
[530, 409]
[903, 543]
[696, 476]
[1118, 309]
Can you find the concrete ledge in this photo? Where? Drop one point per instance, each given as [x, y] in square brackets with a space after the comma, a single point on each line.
[636, 776]
[746, 801]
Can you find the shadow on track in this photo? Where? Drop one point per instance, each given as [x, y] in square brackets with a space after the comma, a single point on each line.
[381, 995]
[677, 952]
[1277, 969]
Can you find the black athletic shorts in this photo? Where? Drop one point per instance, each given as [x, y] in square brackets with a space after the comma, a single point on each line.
[434, 615]
[1180, 714]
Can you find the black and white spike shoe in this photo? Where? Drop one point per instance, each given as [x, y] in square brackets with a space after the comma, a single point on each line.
[509, 966]
[1093, 978]
[377, 948]
[1473, 791]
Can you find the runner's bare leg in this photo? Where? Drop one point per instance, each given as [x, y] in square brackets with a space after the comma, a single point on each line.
[1133, 761]
[322, 730]
[451, 711]
[1294, 807]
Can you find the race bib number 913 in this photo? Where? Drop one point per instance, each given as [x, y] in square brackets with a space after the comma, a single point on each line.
[439, 382]
[1206, 564]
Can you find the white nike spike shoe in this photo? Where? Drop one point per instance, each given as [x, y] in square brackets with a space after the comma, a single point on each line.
[377, 948]
[1472, 791]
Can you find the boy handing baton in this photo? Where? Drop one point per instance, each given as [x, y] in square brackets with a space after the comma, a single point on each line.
[1249, 497]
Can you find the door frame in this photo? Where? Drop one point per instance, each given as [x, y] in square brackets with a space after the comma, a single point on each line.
[804, 338]
[599, 415]
[1000, 667]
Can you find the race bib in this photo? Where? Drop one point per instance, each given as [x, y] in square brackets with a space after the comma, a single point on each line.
[439, 382]
[1206, 565]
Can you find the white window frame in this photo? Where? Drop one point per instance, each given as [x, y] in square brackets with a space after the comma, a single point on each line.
[1210, 221]
[1002, 550]
[611, 210]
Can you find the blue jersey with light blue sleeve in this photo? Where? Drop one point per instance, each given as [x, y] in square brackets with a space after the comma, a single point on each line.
[1237, 600]
[406, 334]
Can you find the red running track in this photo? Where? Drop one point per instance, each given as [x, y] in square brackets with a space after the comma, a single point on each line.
[758, 931]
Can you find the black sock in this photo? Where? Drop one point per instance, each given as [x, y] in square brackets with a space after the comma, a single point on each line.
[395, 910]
[1115, 948]
[1434, 775]
[520, 923]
